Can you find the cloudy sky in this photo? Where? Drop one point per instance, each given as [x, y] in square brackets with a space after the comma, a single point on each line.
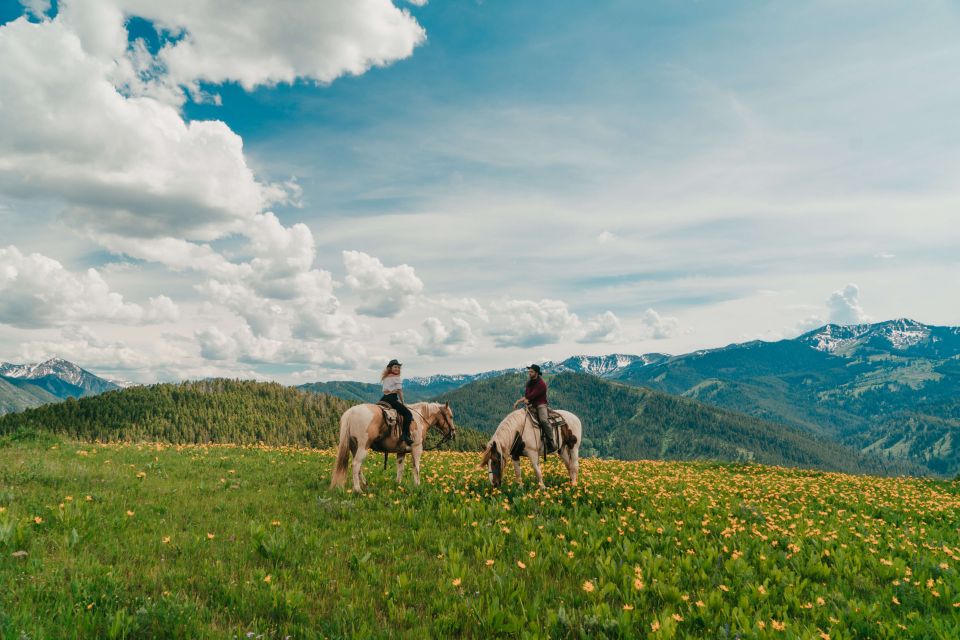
[301, 190]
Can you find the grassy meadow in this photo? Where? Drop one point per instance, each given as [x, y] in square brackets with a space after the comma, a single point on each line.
[220, 541]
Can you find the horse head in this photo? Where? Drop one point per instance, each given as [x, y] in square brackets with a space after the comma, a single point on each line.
[493, 460]
[444, 421]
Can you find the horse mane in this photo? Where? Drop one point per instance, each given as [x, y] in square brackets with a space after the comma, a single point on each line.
[503, 435]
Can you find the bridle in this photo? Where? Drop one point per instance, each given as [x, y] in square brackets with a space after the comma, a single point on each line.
[449, 431]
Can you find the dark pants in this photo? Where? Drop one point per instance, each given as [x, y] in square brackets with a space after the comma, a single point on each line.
[394, 401]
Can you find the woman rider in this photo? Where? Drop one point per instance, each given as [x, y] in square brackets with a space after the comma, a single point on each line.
[393, 395]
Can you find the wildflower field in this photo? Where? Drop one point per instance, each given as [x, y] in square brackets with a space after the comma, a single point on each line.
[148, 541]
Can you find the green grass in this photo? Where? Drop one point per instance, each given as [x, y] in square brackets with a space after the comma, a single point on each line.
[634, 545]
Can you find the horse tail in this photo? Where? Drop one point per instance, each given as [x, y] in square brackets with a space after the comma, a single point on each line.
[339, 476]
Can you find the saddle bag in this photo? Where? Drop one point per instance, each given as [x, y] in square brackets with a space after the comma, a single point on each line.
[391, 419]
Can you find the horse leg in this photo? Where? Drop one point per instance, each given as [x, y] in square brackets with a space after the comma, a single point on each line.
[417, 452]
[569, 458]
[358, 480]
[516, 469]
[535, 461]
[400, 457]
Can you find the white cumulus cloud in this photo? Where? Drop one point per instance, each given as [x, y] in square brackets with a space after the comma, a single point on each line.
[37, 291]
[843, 306]
[256, 43]
[384, 291]
[603, 328]
[436, 338]
[97, 118]
[658, 327]
[530, 323]
[79, 344]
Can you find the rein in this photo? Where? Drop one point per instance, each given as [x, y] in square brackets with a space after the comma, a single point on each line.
[446, 437]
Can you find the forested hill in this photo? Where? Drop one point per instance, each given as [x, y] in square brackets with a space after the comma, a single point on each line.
[637, 423]
[208, 411]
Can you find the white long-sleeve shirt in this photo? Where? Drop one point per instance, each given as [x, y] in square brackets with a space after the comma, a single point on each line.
[392, 383]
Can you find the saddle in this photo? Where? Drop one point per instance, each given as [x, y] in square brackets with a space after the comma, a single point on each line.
[562, 436]
[391, 419]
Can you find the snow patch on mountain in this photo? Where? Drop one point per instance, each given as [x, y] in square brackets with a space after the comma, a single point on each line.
[461, 378]
[599, 365]
[900, 334]
[123, 384]
[62, 370]
[66, 371]
[594, 365]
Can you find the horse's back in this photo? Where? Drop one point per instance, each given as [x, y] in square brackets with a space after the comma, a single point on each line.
[359, 415]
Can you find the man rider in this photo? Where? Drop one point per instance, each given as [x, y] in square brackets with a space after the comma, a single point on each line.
[535, 395]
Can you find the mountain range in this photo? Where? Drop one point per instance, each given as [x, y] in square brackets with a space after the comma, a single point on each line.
[629, 423]
[887, 393]
[31, 385]
[889, 390]
[416, 389]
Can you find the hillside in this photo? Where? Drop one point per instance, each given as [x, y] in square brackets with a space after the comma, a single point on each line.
[221, 541]
[634, 423]
[426, 387]
[209, 411]
[887, 388]
[348, 390]
[16, 395]
[414, 389]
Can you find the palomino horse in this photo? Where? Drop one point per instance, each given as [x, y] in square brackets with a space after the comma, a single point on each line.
[519, 421]
[360, 429]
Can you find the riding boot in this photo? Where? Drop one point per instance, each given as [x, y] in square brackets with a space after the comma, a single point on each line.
[547, 434]
[405, 431]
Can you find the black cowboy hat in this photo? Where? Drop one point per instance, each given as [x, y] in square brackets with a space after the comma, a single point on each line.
[393, 362]
[535, 367]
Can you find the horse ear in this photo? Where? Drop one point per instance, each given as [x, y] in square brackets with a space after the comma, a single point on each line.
[446, 405]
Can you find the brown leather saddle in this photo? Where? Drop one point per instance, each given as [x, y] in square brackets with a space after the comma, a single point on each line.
[562, 436]
[391, 419]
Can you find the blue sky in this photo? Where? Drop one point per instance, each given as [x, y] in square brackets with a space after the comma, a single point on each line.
[582, 178]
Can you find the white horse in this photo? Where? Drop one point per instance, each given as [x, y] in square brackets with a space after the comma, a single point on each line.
[362, 428]
[519, 421]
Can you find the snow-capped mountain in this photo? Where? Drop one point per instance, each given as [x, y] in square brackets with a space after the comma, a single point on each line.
[455, 379]
[123, 384]
[594, 365]
[601, 365]
[898, 336]
[57, 376]
[66, 371]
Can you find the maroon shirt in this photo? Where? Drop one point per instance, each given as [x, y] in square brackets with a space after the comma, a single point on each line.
[536, 392]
